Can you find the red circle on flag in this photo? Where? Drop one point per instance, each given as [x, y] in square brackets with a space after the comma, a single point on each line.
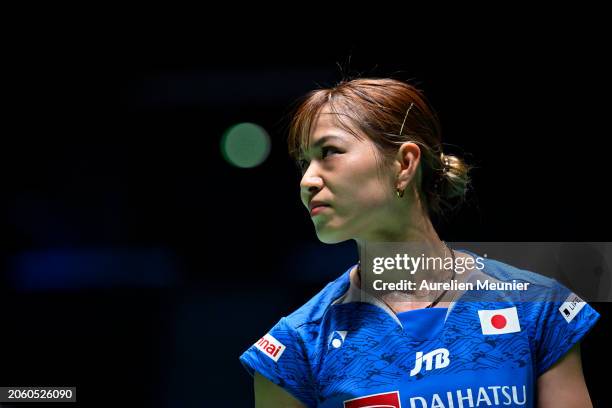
[498, 321]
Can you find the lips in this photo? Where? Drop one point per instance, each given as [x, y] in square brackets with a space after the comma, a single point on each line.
[315, 203]
[317, 206]
[316, 210]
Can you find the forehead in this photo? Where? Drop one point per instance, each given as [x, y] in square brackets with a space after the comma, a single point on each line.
[325, 120]
[325, 124]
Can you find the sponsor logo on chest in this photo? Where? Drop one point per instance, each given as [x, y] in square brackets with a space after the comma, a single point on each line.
[383, 400]
[438, 358]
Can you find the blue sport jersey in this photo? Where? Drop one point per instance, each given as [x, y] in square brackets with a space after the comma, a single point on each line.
[485, 350]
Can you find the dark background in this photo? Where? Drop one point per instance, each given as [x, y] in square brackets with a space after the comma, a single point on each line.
[137, 264]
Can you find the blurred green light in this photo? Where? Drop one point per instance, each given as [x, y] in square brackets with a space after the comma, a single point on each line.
[245, 145]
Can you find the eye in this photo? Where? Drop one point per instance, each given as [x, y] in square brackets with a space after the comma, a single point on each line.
[328, 149]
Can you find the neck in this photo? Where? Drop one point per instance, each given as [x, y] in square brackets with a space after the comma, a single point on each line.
[417, 232]
[418, 239]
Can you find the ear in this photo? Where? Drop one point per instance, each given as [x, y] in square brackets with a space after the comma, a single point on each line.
[407, 163]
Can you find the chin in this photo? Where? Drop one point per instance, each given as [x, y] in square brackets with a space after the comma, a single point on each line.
[328, 237]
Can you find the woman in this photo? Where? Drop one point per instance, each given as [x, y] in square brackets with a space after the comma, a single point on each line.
[374, 171]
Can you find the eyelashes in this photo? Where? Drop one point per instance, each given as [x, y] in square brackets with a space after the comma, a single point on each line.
[325, 153]
[328, 149]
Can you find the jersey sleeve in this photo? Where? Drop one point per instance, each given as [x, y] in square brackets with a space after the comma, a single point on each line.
[280, 356]
[562, 321]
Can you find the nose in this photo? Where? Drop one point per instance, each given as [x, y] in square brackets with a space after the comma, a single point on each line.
[310, 185]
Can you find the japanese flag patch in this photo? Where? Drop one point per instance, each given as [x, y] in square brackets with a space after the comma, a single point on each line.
[499, 321]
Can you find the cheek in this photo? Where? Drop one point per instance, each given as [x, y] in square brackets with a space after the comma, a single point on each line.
[364, 189]
[371, 195]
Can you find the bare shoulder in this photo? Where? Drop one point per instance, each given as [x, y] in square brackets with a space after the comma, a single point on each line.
[270, 395]
[563, 385]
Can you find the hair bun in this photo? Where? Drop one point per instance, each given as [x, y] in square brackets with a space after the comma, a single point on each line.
[454, 178]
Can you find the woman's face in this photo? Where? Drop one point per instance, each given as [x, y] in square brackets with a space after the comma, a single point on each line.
[342, 172]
